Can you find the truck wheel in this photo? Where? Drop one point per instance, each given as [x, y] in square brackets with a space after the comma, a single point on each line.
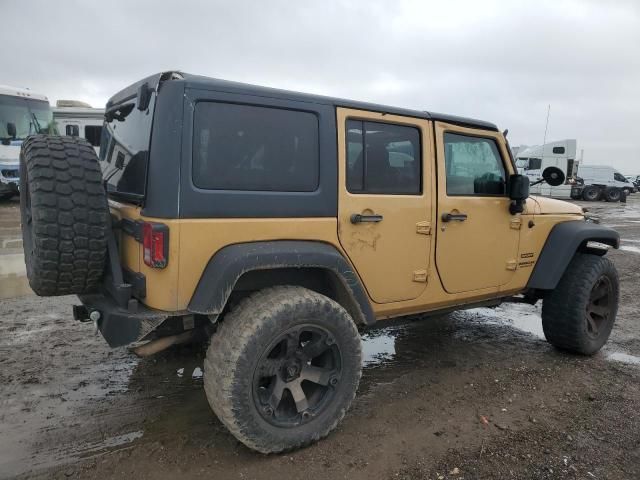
[612, 194]
[627, 191]
[591, 193]
[64, 215]
[579, 314]
[283, 368]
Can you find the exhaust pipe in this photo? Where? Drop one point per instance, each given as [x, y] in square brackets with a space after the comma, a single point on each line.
[155, 346]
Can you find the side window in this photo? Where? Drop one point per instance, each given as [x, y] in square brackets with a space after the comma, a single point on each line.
[619, 177]
[558, 150]
[72, 131]
[246, 147]
[473, 166]
[93, 133]
[383, 158]
[535, 164]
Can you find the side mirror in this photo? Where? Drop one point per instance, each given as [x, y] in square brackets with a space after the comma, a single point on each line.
[553, 176]
[11, 130]
[518, 187]
[518, 192]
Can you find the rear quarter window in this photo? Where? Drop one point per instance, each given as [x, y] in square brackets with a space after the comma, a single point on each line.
[254, 148]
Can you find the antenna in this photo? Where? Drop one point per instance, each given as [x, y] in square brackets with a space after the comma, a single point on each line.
[546, 127]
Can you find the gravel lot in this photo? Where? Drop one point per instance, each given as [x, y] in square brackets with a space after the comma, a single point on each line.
[474, 394]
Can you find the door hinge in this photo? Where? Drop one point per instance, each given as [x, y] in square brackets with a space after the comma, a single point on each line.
[423, 228]
[420, 276]
[512, 264]
[516, 223]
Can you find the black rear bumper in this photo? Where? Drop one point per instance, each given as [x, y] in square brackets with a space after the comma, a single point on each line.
[119, 326]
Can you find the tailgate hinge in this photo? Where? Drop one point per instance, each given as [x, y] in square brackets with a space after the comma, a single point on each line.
[420, 276]
[423, 228]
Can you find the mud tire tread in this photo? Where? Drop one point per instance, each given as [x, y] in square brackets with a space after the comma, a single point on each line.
[70, 215]
[563, 309]
[233, 347]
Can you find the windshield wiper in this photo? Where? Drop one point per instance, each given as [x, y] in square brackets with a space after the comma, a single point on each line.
[119, 112]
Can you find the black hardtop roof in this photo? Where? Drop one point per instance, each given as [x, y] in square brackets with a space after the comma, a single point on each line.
[208, 83]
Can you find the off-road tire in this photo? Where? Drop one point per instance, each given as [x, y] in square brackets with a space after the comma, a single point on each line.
[564, 310]
[64, 215]
[613, 194]
[235, 350]
[591, 193]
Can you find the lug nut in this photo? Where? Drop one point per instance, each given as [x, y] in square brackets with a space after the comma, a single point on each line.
[306, 415]
[268, 411]
[330, 341]
[333, 381]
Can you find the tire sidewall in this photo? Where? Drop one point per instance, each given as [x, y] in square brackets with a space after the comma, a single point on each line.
[331, 317]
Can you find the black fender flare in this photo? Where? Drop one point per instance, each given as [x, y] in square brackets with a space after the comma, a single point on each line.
[564, 240]
[228, 264]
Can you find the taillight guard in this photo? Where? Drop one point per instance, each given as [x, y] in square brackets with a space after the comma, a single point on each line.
[155, 244]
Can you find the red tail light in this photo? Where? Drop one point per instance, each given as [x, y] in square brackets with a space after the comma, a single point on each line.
[155, 244]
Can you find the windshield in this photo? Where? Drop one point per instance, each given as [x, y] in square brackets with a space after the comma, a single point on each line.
[27, 116]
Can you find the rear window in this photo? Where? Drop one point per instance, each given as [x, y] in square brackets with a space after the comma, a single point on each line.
[251, 148]
[124, 149]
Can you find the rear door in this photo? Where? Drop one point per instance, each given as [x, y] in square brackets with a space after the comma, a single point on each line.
[385, 200]
[477, 237]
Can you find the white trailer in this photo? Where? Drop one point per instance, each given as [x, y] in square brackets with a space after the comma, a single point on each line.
[79, 119]
[531, 161]
[22, 113]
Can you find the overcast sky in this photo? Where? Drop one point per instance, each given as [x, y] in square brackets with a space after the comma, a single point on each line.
[498, 61]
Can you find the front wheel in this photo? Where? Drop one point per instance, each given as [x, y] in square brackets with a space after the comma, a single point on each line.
[579, 314]
[283, 368]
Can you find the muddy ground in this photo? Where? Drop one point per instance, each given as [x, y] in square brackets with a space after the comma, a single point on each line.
[475, 394]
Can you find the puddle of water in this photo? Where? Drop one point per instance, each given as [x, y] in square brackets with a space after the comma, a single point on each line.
[630, 248]
[624, 358]
[520, 316]
[378, 347]
[13, 276]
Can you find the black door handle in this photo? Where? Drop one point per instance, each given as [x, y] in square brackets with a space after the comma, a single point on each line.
[451, 217]
[358, 218]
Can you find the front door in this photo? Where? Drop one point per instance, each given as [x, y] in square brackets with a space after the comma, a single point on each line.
[385, 199]
[477, 237]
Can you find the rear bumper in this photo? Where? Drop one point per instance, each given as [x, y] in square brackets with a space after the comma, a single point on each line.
[118, 325]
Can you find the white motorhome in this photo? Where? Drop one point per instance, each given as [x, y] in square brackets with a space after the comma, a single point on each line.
[531, 161]
[22, 113]
[79, 119]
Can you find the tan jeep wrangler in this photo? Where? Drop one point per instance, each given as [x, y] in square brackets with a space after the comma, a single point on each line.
[275, 224]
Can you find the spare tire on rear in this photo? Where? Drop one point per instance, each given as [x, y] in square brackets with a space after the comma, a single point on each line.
[64, 215]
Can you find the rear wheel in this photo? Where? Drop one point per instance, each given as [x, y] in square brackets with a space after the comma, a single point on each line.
[579, 314]
[612, 194]
[64, 215]
[283, 368]
[591, 193]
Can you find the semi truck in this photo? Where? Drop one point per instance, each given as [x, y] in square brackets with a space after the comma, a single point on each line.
[533, 160]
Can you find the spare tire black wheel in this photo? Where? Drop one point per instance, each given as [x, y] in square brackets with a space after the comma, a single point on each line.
[64, 215]
[591, 193]
[612, 194]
